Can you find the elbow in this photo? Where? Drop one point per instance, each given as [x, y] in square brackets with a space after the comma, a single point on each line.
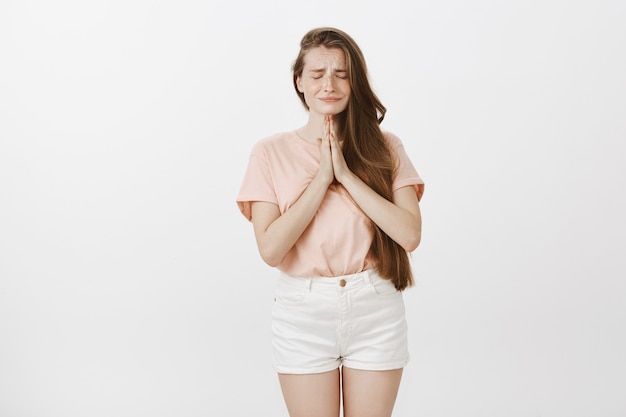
[271, 261]
[412, 242]
[270, 257]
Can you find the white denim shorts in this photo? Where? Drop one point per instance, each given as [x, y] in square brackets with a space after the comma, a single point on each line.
[322, 323]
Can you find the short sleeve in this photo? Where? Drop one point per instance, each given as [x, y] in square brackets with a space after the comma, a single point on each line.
[257, 184]
[406, 174]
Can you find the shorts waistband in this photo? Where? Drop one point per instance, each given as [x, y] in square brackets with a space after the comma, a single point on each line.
[345, 281]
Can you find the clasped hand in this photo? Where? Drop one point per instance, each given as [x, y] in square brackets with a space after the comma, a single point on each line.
[332, 163]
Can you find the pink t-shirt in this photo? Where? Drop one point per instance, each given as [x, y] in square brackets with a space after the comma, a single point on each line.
[338, 239]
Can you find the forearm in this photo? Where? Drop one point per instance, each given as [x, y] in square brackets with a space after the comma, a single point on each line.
[282, 233]
[400, 224]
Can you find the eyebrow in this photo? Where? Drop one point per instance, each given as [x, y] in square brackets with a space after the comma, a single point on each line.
[324, 70]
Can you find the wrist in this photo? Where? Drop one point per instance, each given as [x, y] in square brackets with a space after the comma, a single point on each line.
[347, 179]
[321, 181]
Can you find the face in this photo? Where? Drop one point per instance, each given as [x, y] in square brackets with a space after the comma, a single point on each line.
[324, 81]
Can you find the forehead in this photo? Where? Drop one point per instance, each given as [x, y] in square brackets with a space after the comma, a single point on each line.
[320, 57]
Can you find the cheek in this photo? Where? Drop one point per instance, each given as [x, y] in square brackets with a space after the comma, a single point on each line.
[310, 89]
[310, 86]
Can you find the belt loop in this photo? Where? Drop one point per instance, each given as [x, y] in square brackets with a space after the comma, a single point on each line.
[307, 284]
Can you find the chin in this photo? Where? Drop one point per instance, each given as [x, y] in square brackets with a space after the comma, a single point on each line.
[331, 111]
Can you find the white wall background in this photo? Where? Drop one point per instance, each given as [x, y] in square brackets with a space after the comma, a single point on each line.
[130, 284]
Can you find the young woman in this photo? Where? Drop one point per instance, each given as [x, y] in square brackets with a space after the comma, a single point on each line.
[334, 206]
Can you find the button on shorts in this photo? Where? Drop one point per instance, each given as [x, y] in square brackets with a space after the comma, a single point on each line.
[322, 323]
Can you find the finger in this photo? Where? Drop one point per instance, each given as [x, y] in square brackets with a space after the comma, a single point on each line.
[324, 144]
[334, 145]
[327, 125]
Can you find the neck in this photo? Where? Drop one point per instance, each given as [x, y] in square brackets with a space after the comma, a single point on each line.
[313, 129]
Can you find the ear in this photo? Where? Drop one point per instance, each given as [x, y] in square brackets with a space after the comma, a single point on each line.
[299, 84]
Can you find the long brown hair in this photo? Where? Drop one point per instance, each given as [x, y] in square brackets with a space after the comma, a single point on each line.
[364, 148]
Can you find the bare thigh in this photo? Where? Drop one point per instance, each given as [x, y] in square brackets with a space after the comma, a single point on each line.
[370, 393]
[311, 394]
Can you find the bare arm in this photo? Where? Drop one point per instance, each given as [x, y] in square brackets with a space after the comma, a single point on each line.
[400, 219]
[275, 233]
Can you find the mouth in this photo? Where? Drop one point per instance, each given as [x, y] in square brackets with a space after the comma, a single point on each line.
[330, 99]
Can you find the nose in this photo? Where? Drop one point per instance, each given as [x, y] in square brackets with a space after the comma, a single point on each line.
[329, 84]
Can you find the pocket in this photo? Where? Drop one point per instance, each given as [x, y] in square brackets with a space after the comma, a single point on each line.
[383, 287]
[289, 295]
